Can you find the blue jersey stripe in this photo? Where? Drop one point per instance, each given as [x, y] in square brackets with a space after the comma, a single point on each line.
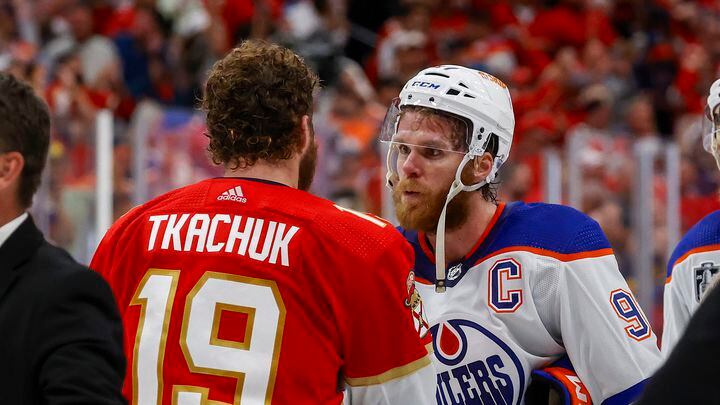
[627, 396]
[704, 233]
[559, 386]
[550, 227]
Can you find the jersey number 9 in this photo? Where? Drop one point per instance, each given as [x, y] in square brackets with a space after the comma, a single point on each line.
[629, 311]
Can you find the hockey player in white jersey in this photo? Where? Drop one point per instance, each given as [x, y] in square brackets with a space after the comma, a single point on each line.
[696, 259]
[508, 288]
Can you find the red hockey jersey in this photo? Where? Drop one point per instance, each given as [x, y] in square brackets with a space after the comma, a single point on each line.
[246, 291]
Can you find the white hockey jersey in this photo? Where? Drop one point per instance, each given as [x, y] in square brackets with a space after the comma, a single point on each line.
[692, 266]
[541, 283]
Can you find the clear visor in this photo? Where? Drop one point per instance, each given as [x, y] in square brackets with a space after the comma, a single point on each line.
[711, 128]
[441, 131]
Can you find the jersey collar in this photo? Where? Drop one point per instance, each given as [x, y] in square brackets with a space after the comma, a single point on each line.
[425, 258]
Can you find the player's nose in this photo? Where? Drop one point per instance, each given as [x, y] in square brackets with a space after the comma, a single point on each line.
[411, 166]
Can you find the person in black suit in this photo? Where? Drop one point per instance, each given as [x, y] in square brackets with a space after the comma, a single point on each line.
[60, 330]
[689, 376]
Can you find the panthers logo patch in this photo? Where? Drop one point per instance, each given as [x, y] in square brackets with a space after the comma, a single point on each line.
[415, 303]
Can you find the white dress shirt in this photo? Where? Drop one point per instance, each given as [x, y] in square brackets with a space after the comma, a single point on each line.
[7, 229]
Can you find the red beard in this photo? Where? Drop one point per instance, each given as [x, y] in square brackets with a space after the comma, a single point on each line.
[423, 213]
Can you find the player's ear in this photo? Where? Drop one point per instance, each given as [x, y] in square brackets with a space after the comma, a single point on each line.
[307, 134]
[482, 165]
[11, 165]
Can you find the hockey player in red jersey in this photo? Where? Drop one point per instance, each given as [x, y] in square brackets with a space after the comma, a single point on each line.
[248, 290]
[510, 288]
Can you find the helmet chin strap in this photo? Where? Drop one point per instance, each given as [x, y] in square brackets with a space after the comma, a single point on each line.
[455, 189]
[715, 148]
[715, 122]
[390, 171]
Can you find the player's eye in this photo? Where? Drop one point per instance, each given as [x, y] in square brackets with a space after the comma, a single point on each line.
[403, 149]
[432, 153]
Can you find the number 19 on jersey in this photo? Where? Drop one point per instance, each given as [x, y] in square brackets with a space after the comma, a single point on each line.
[252, 362]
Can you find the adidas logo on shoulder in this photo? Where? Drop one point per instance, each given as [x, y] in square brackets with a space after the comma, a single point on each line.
[233, 194]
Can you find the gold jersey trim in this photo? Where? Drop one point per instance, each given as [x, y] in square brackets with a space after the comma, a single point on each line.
[389, 375]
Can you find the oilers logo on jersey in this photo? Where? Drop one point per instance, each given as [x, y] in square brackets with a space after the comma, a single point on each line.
[703, 278]
[485, 372]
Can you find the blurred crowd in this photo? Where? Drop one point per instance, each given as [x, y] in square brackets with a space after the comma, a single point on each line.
[600, 75]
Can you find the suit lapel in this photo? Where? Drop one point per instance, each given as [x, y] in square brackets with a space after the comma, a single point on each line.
[16, 250]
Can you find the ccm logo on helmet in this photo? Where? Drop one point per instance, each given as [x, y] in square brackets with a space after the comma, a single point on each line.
[425, 84]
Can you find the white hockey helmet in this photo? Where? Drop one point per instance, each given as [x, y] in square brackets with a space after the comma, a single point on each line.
[711, 122]
[479, 99]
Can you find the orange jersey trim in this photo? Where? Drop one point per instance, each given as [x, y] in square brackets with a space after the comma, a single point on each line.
[563, 257]
[491, 225]
[425, 248]
[422, 280]
[431, 255]
[573, 388]
[682, 258]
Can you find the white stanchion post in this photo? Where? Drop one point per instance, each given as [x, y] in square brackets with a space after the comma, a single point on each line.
[573, 149]
[643, 226]
[553, 176]
[140, 129]
[672, 179]
[104, 173]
